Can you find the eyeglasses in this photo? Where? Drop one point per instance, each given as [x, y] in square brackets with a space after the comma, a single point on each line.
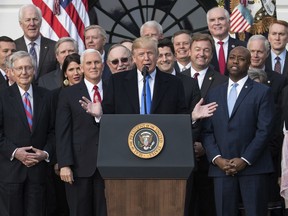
[26, 68]
[116, 61]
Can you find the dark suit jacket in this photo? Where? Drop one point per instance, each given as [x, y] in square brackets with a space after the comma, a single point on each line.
[15, 132]
[245, 133]
[232, 43]
[211, 80]
[52, 80]
[176, 67]
[47, 58]
[268, 65]
[122, 95]
[191, 89]
[77, 132]
[3, 83]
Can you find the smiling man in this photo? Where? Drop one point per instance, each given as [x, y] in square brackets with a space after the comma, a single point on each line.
[75, 129]
[181, 41]
[27, 140]
[235, 139]
[30, 20]
[218, 21]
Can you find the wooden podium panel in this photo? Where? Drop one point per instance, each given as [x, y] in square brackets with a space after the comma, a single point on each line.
[145, 197]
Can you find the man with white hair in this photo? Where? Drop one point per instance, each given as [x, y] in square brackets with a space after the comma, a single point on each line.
[218, 21]
[77, 136]
[41, 48]
[152, 29]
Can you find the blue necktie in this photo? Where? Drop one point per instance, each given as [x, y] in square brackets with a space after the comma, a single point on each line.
[232, 97]
[148, 97]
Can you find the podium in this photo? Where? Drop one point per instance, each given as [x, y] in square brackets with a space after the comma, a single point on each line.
[152, 185]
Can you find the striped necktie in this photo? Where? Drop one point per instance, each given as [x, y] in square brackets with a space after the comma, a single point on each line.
[28, 109]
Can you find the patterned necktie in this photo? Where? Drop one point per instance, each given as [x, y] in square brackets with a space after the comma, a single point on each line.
[196, 76]
[148, 97]
[96, 94]
[232, 97]
[28, 109]
[221, 60]
[277, 66]
[33, 53]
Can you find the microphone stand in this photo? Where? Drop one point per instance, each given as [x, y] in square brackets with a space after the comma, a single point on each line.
[144, 73]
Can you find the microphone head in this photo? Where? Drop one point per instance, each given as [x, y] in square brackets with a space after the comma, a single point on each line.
[144, 71]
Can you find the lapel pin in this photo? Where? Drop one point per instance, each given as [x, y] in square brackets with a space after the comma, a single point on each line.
[268, 81]
[210, 78]
[246, 86]
[233, 46]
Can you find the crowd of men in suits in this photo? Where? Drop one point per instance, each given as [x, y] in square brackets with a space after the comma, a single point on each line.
[237, 122]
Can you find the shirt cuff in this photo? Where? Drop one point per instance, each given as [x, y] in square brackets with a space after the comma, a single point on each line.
[13, 154]
[213, 160]
[246, 160]
[47, 158]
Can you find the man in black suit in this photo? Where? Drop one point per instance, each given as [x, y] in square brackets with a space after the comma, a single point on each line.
[7, 48]
[77, 141]
[201, 52]
[125, 88]
[181, 41]
[26, 141]
[30, 20]
[54, 79]
[278, 38]
[95, 38]
[218, 21]
[258, 46]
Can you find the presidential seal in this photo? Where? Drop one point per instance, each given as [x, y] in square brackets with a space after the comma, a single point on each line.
[146, 140]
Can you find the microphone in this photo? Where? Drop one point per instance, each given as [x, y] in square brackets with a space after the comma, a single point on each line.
[144, 71]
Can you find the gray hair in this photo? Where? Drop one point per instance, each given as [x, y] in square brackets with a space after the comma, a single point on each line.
[255, 73]
[22, 8]
[127, 51]
[100, 28]
[19, 55]
[89, 51]
[151, 23]
[259, 37]
[226, 13]
[66, 39]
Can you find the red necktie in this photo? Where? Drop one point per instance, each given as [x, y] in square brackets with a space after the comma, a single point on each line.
[221, 60]
[196, 76]
[96, 94]
[277, 66]
[28, 109]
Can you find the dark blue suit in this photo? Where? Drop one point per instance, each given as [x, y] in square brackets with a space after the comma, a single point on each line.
[244, 134]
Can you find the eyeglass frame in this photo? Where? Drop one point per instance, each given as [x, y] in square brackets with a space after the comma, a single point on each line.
[123, 60]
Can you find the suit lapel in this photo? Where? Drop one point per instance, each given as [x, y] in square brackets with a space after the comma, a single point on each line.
[285, 69]
[131, 88]
[208, 79]
[244, 91]
[17, 103]
[160, 87]
[43, 52]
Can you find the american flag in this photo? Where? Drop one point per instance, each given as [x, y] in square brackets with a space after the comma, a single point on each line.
[240, 19]
[64, 18]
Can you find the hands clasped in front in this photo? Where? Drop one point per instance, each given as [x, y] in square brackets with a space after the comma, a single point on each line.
[232, 166]
[30, 156]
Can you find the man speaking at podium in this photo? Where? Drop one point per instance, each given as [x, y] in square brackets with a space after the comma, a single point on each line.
[164, 92]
